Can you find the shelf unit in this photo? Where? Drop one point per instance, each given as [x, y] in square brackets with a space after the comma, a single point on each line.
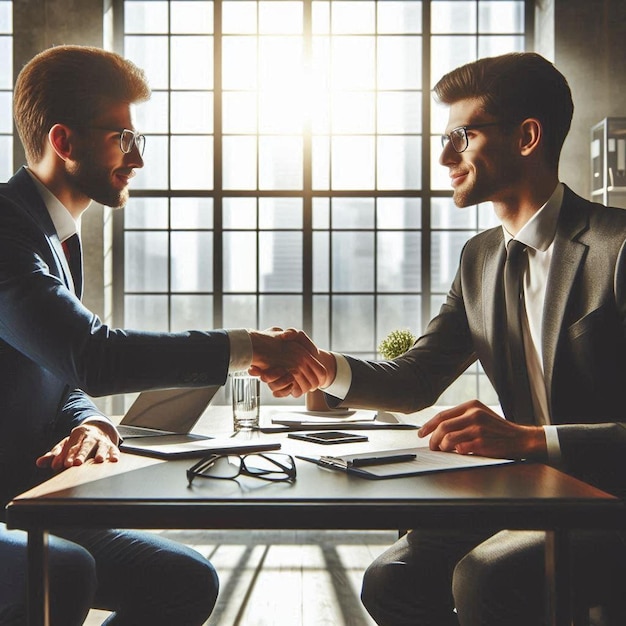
[608, 162]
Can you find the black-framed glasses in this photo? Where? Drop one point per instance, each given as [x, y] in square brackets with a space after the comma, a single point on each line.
[128, 139]
[458, 136]
[276, 467]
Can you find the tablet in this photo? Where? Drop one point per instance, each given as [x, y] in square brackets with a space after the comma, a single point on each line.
[328, 436]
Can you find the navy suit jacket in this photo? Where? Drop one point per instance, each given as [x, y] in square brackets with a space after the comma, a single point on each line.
[584, 340]
[54, 351]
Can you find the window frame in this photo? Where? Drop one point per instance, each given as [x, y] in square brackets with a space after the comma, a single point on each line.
[429, 296]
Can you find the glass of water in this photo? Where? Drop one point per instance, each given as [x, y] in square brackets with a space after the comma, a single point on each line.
[245, 391]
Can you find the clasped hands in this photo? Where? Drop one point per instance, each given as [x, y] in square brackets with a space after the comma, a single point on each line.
[289, 362]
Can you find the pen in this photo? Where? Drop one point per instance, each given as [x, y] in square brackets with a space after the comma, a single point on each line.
[326, 461]
[381, 460]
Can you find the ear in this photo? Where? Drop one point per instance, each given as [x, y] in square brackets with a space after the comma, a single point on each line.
[531, 136]
[60, 138]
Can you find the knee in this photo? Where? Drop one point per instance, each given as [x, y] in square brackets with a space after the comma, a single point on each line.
[73, 582]
[72, 565]
[369, 586]
[381, 582]
[207, 586]
[484, 587]
[470, 579]
[198, 581]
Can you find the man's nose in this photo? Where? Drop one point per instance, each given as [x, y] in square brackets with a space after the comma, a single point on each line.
[134, 158]
[448, 155]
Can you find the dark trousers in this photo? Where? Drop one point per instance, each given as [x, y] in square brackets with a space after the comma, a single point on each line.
[141, 577]
[447, 578]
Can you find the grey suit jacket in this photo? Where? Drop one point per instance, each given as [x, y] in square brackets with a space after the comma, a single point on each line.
[54, 351]
[584, 340]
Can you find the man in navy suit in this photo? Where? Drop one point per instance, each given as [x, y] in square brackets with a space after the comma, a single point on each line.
[73, 111]
[562, 387]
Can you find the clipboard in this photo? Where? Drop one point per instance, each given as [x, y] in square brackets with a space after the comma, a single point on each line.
[423, 460]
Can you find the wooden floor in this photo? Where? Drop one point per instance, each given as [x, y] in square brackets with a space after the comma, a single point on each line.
[286, 578]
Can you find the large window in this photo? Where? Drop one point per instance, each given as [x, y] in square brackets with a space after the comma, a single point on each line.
[6, 89]
[291, 172]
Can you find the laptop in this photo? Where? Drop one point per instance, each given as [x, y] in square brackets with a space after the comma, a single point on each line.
[159, 424]
[166, 412]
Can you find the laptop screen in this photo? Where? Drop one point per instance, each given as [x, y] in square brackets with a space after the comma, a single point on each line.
[174, 410]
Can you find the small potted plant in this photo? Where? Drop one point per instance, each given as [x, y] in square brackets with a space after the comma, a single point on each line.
[396, 343]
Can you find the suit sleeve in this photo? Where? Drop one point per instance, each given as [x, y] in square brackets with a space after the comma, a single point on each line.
[596, 453]
[42, 319]
[76, 408]
[417, 379]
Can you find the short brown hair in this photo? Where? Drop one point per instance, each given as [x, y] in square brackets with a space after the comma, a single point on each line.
[71, 85]
[514, 87]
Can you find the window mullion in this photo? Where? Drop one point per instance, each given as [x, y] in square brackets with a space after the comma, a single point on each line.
[218, 192]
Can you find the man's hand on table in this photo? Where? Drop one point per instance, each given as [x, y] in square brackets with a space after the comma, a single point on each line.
[473, 428]
[89, 440]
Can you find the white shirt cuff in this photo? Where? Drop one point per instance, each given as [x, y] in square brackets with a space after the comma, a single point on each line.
[110, 427]
[552, 443]
[240, 350]
[343, 378]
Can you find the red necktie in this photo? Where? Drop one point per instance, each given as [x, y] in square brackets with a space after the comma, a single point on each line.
[66, 249]
[71, 248]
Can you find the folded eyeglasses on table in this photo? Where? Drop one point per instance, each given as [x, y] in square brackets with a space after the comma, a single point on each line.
[276, 467]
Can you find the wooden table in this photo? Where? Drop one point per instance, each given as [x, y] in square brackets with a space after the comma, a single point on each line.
[140, 492]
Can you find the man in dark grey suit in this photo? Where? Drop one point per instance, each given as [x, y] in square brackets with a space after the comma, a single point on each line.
[561, 383]
[73, 111]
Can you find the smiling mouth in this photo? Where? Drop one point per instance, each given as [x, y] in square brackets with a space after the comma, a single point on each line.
[457, 177]
[124, 178]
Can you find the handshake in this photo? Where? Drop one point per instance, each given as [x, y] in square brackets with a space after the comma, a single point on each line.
[289, 362]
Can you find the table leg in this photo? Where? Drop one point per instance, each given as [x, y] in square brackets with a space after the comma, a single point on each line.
[38, 582]
[559, 596]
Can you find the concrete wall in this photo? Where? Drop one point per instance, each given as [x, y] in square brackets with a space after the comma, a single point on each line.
[40, 24]
[587, 45]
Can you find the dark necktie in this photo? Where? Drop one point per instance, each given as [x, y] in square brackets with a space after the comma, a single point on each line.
[519, 386]
[73, 254]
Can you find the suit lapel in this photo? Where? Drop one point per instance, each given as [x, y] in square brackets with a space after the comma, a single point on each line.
[29, 199]
[567, 257]
[492, 294]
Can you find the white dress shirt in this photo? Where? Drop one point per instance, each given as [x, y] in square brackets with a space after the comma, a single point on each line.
[538, 236]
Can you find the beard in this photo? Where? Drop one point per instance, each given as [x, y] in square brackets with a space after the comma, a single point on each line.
[94, 181]
[485, 186]
[465, 197]
[470, 192]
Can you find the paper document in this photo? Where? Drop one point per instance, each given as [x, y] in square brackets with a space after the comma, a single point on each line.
[316, 418]
[420, 460]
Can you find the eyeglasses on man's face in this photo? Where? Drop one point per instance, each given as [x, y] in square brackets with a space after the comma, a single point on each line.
[128, 139]
[275, 467]
[457, 137]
